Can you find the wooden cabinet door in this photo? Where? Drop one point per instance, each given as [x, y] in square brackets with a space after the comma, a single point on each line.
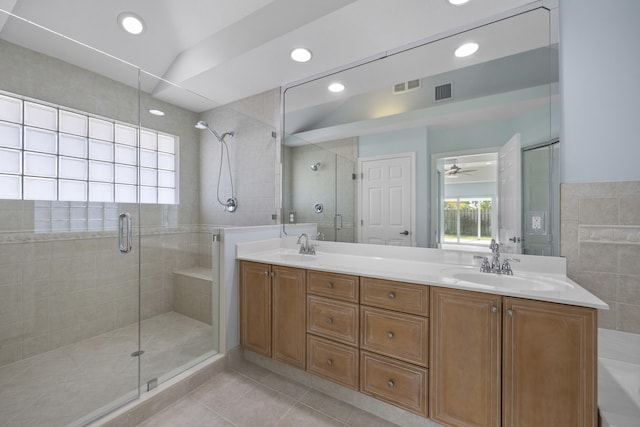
[549, 376]
[465, 358]
[255, 307]
[289, 316]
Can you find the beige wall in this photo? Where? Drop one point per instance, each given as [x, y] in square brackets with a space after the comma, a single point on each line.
[600, 237]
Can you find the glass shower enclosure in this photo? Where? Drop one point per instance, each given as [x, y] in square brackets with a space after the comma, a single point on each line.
[106, 284]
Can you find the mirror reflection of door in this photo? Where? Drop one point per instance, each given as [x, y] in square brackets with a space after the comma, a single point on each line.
[468, 202]
[387, 200]
[510, 196]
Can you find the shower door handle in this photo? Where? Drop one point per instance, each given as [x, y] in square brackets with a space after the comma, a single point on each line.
[125, 241]
[335, 222]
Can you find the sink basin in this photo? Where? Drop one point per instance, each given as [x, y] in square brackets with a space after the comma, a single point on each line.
[517, 281]
[291, 256]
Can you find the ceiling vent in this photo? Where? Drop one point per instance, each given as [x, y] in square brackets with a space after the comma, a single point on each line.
[406, 86]
[443, 92]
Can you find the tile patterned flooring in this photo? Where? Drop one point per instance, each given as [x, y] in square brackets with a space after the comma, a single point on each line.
[251, 396]
[61, 386]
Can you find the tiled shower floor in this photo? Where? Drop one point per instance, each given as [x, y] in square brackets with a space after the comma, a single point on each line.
[64, 385]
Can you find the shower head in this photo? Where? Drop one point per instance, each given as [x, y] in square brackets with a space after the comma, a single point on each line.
[203, 125]
[314, 167]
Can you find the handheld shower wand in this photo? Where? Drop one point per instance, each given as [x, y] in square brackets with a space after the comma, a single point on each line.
[232, 203]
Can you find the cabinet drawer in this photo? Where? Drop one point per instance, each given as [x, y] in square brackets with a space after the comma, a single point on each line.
[336, 362]
[333, 285]
[398, 335]
[398, 296]
[333, 319]
[396, 382]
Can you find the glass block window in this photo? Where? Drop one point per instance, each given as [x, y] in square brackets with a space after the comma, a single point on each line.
[51, 153]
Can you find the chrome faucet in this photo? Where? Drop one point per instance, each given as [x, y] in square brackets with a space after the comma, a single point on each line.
[495, 261]
[306, 248]
[495, 266]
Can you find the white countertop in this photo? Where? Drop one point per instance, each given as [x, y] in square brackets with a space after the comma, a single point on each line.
[534, 277]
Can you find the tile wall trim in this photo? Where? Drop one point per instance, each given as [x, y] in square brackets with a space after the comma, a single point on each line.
[613, 234]
[30, 237]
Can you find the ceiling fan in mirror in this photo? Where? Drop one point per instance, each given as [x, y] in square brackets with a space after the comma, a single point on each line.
[455, 170]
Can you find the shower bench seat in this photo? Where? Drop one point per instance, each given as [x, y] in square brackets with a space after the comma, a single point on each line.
[192, 293]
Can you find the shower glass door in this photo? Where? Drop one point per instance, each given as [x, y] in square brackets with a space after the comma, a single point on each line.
[178, 293]
[69, 284]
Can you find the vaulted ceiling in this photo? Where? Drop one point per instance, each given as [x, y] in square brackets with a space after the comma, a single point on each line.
[227, 50]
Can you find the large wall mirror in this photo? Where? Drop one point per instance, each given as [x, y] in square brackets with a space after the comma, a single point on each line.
[426, 148]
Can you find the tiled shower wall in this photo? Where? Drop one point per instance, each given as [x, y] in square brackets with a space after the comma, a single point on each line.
[600, 237]
[55, 291]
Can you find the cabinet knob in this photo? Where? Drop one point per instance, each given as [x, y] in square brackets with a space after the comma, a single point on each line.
[510, 313]
[494, 309]
[266, 274]
[330, 285]
[390, 335]
[392, 295]
[391, 384]
[329, 362]
[329, 320]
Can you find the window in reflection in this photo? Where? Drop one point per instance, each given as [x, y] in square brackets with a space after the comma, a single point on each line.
[468, 221]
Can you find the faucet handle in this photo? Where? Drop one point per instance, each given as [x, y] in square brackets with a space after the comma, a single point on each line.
[486, 266]
[506, 267]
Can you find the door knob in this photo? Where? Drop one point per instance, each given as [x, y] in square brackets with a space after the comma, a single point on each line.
[405, 233]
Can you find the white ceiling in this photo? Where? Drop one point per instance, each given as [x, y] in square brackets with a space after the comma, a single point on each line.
[228, 50]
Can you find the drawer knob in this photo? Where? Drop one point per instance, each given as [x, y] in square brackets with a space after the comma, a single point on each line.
[329, 362]
[391, 384]
[392, 295]
[330, 285]
[329, 320]
[390, 335]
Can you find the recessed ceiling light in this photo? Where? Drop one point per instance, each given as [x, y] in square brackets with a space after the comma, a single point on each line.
[131, 23]
[458, 2]
[156, 112]
[466, 50]
[336, 87]
[301, 54]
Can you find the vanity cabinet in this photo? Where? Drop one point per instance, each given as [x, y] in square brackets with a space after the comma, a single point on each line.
[273, 312]
[461, 358]
[510, 361]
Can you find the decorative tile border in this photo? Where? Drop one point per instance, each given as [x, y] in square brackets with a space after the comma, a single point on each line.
[31, 237]
[615, 234]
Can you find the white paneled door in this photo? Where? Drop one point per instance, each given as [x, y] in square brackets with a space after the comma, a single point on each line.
[387, 200]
